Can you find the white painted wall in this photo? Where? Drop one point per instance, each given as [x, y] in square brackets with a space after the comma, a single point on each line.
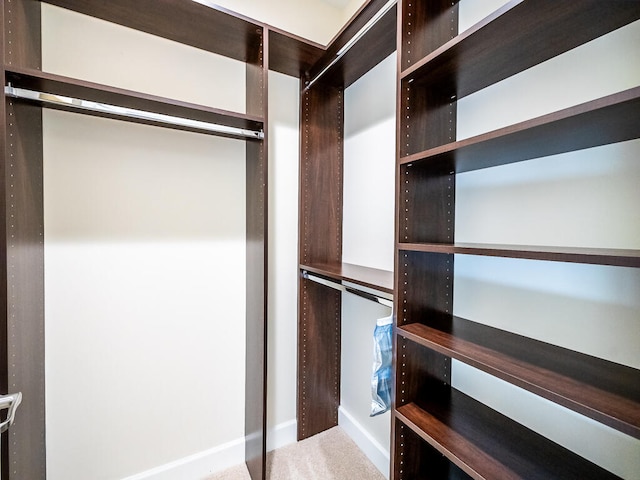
[145, 253]
[91, 49]
[284, 142]
[584, 198]
[368, 239]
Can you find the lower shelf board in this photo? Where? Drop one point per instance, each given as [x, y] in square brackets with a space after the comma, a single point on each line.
[605, 391]
[488, 445]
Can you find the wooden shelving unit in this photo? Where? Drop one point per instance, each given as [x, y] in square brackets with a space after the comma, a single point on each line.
[514, 38]
[321, 184]
[593, 256]
[611, 119]
[204, 27]
[60, 85]
[605, 391]
[485, 444]
[381, 280]
[438, 66]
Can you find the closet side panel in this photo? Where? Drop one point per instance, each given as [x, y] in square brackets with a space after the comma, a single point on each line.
[25, 290]
[256, 323]
[320, 242]
[22, 283]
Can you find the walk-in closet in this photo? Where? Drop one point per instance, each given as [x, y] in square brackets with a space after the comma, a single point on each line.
[336, 239]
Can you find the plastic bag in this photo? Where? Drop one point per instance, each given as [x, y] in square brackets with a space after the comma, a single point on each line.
[382, 357]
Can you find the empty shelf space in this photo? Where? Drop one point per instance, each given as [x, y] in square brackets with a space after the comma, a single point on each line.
[611, 119]
[594, 256]
[604, 391]
[57, 85]
[516, 37]
[381, 280]
[488, 445]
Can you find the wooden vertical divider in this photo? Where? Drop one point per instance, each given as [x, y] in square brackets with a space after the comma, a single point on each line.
[320, 241]
[257, 70]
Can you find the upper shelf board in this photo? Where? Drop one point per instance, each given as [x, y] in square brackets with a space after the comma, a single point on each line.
[209, 28]
[592, 256]
[611, 119]
[381, 280]
[59, 85]
[521, 34]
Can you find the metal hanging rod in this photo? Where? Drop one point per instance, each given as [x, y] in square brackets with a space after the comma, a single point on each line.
[343, 288]
[79, 104]
[10, 402]
[347, 46]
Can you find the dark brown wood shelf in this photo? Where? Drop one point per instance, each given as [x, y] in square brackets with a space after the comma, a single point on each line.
[488, 445]
[437, 66]
[381, 280]
[610, 119]
[604, 391]
[594, 256]
[59, 85]
[291, 54]
[213, 29]
[516, 37]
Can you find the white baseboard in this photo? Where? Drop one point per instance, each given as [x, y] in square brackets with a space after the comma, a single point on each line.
[199, 465]
[282, 435]
[375, 452]
[204, 464]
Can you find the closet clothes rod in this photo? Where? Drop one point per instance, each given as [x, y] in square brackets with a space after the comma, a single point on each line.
[104, 108]
[343, 288]
[347, 46]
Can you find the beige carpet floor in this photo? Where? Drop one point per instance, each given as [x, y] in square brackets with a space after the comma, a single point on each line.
[330, 455]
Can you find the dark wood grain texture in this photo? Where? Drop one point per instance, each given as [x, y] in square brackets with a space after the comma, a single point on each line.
[212, 29]
[425, 287]
[594, 256]
[381, 280]
[425, 26]
[291, 54]
[22, 37]
[60, 85]
[421, 459]
[321, 175]
[24, 294]
[320, 238]
[426, 206]
[610, 119]
[22, 264]
[605, 391]
[257, 76]
[427, 119]
[319, 335]
[516, 37]
[488, 445]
